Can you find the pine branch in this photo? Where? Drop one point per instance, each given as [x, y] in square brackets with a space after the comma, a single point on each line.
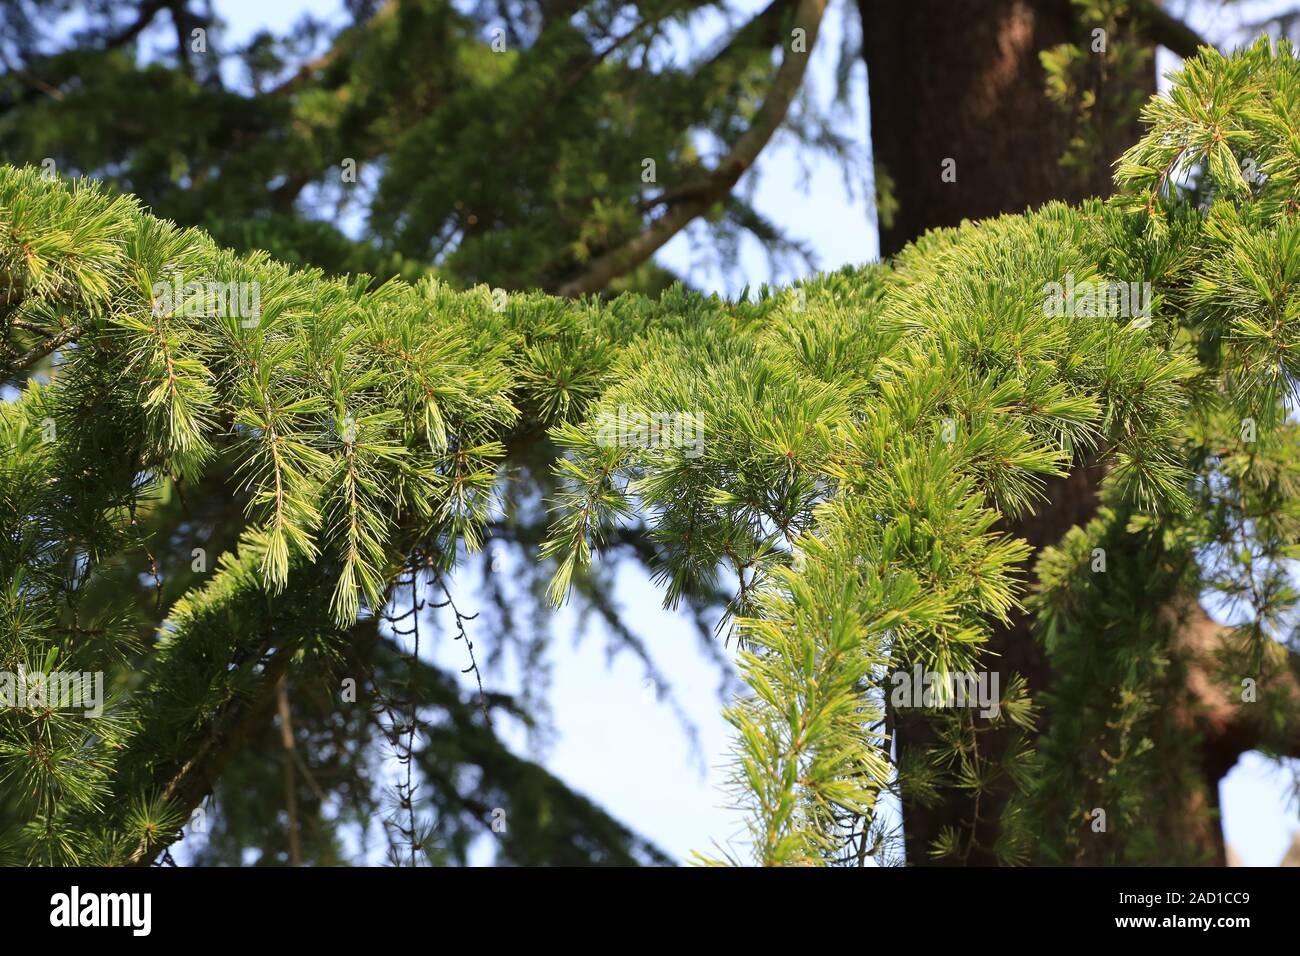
[850, 450]
[41, 350]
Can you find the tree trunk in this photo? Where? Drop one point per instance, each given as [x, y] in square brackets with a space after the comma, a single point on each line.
[1012, 649]
[965, 83]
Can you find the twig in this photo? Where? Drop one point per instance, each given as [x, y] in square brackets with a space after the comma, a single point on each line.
[461, 635]
[290, 782]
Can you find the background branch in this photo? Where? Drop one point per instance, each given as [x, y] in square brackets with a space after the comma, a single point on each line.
[717, 185]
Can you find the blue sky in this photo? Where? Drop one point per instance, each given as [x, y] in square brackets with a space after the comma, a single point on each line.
[613, 739]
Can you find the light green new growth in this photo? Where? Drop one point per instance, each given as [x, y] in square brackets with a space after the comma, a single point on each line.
[863, 436]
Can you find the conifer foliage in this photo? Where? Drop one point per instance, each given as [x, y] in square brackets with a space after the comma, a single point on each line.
[845, 454]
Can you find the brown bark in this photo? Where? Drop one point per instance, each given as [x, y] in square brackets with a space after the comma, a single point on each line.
[968, 85]
[972, 88]
[964, 82]
[1228, 724]
[1013, 649]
